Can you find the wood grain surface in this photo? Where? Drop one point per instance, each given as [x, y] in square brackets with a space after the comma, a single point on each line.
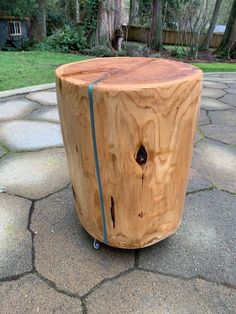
[145, 116]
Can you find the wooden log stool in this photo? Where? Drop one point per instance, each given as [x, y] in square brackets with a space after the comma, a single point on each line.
[128, 126]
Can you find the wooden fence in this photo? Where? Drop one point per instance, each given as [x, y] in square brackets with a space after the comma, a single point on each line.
[170, 37]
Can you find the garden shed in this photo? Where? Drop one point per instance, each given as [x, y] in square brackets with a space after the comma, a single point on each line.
[13, 31]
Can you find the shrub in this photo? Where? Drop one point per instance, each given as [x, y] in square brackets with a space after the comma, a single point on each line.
[67, 39]
[104, 51]
[55, 21]
[100, 51]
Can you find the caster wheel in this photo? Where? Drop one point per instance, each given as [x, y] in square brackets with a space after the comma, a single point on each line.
[2, 189]
[96, 244]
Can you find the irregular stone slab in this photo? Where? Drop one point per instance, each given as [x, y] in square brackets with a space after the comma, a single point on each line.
[213, 104]
[197, 182]
[223, 117]
[217, 79]
[203, 118]
[212, 76]
[229, 99]
[213, 92]
[16, 108]
[145, 292]
[47, 114]
[232, 86]
[44, 97]
[221, 77]
[229, 76]
[220, 80]
[198, 136]
[30, 135]
[205, 243]
[30, 294]
[230, 90]
[226, 133]
[34, 174]
[15, 239]
[210, 84]
[216, 162]
[64, 251]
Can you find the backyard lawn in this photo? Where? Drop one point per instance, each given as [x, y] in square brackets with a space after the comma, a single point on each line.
[20, 69]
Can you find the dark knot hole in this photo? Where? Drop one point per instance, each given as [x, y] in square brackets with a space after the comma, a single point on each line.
[141, 156]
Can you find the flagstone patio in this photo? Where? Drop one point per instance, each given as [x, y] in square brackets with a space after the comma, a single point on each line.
[47, 261]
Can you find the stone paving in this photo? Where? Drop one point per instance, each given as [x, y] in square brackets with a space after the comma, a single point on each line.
[47, 262]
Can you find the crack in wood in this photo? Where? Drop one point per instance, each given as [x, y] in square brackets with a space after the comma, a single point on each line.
[112, 209]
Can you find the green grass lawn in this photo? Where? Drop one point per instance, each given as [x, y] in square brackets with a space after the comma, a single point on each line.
[20, 69]
[216, 67]
[207, 67]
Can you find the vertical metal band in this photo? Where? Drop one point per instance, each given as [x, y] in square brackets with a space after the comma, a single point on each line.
[95, 153]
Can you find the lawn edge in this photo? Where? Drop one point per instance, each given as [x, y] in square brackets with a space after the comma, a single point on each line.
[219, 73]
[35, 88]
[26, 90]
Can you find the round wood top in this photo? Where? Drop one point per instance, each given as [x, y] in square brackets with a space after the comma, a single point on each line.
[119, 72]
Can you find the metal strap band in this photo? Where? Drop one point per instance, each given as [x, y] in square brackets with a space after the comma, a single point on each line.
[95, 153]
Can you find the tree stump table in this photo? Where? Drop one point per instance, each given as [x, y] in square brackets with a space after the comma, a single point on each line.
[128, 126]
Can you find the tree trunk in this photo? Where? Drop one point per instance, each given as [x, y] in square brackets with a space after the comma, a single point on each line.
[38, 29]
[231, 46]
[133, 12]
[207, 39]
[109, 14]
[77, 12]
[229, 27]
[155, 38]
[117, 13]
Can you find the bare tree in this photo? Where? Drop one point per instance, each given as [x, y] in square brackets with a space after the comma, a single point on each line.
[228, 42]
[191, 20]
[38, 29]
[207, 39]
[133, 12]
[155, 38]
